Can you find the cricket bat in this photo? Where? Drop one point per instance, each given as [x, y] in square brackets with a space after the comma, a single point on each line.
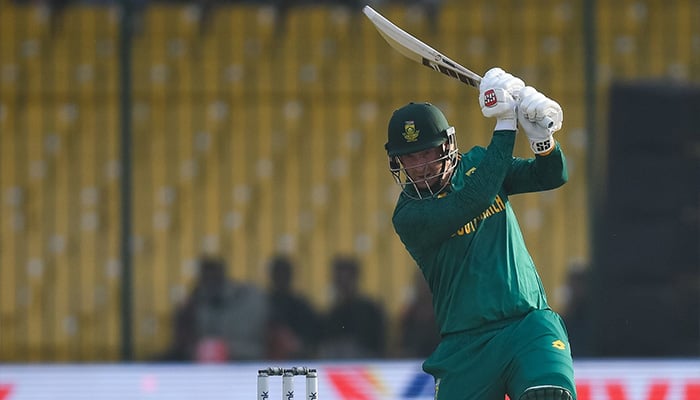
[414, 49]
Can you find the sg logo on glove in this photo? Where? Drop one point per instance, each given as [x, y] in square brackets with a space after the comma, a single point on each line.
[490, 98]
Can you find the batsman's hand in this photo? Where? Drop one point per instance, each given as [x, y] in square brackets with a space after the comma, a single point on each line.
[498, 94]
[532, 109]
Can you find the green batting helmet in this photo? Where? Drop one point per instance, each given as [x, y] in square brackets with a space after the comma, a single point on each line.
[416, 127]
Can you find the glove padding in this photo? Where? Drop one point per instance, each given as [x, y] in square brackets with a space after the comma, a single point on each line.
[533, 108]
[498, 94]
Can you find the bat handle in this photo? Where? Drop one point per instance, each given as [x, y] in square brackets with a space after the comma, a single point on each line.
[546, 123]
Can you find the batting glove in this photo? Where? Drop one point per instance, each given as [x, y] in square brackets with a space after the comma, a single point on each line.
[532, 109]
[498, 94]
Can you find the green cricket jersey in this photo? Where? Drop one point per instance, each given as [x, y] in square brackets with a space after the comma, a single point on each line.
[467, 242]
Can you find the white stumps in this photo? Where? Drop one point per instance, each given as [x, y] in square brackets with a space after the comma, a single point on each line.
[263, 385]
[288, 385]
[311, 385]
[288, 375]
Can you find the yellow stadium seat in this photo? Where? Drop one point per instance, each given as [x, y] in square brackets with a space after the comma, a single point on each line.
[170, 20]
[81, 21]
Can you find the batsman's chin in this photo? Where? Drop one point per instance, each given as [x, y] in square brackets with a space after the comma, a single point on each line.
[423, 184]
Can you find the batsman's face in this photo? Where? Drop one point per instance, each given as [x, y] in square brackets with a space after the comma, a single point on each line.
[425, 168]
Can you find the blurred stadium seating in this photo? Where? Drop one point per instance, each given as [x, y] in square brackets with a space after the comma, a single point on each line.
[251, 136]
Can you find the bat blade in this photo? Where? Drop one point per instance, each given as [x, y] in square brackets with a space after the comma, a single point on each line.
[414, 49]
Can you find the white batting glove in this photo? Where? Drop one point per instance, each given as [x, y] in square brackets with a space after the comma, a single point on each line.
[532, 109]
[498, 94]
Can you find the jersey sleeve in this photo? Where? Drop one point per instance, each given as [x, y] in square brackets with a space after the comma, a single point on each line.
[429, 222]
[537, 174]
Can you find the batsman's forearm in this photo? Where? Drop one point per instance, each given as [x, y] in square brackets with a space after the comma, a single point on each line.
[551, 169]
[538, 173]
[483, 184]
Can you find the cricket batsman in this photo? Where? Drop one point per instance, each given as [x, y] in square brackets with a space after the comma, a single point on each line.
[499, 335]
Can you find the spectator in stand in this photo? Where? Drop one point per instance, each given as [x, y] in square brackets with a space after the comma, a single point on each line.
[576, 308]
[355, 325]
[293, 327]
[419, 333]
[221, 320]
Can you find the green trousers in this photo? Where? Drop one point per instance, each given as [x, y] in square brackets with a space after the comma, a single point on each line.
[506, 357]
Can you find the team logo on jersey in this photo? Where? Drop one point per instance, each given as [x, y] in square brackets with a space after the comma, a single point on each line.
[558, 344]
[410, 133]
[470, 171]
